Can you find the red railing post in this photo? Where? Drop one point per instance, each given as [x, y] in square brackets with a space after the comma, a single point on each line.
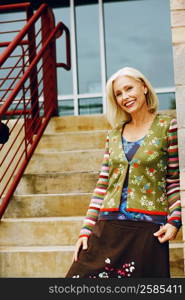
[33, 79]
[49, 74]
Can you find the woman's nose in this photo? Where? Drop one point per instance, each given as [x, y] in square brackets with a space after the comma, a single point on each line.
[124, 95]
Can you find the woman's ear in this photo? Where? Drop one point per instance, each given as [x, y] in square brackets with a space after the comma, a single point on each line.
[144, 85]
[145, 90]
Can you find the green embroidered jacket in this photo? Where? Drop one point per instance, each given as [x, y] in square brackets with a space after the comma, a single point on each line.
[153, 185]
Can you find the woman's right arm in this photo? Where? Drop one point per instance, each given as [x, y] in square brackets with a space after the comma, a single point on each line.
[98, 194]
[95, 203]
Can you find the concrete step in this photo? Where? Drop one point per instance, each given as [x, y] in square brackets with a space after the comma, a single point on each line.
[76, 160]
[43, 231]
[76, 140]
[40, 231]
[76, 123]
[48, 205]
[178, 238]
[57, 183]
[52, 205]
[35, 262]
[83, 123]
[176, 259]
[54, 261]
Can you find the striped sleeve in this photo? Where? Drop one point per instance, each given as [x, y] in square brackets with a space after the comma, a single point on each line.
[172, 179]
[98, 194]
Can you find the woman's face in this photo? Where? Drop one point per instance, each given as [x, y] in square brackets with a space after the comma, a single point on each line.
[129, 94]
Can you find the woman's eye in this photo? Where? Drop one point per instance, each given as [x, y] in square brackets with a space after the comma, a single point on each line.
[128, 88]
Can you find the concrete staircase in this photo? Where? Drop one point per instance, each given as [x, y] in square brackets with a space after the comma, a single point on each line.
[43, 220]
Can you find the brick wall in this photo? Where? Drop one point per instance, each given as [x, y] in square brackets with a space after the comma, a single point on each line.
[178, 40]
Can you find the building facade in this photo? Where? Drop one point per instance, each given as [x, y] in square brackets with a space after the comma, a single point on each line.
[108, 35]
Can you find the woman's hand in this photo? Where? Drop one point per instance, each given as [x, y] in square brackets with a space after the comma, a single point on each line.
[82, 242]
[166, 232]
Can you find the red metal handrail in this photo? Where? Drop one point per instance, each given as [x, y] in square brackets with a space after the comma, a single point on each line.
[9, 8]
[28, 91]
[15, 6]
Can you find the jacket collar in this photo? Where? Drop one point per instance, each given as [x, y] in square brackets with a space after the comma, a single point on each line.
[147, 136]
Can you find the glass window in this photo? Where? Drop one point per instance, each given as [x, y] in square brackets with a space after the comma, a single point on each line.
[65, 107]
[138, 35]
[166, 101]
[89, 106]
[88, 50]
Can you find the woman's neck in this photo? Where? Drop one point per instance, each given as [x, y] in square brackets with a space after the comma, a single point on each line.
[138, 119]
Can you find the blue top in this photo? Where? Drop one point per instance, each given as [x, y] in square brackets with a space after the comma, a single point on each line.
[130, 149]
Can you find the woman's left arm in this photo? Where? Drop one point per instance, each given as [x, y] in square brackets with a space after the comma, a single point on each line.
[170, 229]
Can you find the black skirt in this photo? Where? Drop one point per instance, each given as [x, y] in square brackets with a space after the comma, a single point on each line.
[122, 248]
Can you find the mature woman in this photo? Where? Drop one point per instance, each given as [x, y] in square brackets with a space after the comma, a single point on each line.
[135, 207]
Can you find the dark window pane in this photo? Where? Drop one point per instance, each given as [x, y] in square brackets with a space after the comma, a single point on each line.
[65, 108]
[89, 106]
[166, 101]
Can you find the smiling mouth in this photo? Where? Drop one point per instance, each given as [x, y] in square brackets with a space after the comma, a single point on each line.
[129, 103]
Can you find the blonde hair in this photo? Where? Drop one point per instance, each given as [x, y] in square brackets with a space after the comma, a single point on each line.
[115, 115]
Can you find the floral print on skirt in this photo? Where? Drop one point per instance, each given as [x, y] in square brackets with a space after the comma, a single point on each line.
[110, 271]
[122, 249]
